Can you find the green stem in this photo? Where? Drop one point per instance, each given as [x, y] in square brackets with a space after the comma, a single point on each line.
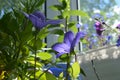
[68, 57]
[68, 64]
[75, 58]
[66, 26]
[35, 57]
[35, 66]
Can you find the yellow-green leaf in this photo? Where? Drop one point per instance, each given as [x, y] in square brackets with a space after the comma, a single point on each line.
[37, 63]
[75, 70]
[44, 55]
[78, 13]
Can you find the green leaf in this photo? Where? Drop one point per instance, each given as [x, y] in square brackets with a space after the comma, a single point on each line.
[74, 28]
[44, 55]
[25, 51]
[45, 76]
[43, 33]
[40, 75]
[66, 14]
[40, 2]
[71, 24]
[78, 13]
[33, 63]
[36, 44]
[57, 31]
[84, 41]
[26, 34]
[82, 71]
[64, 4]
[50, 76]
[75, 70]
[59, 17]
[56, 7]
[61, 75]
[60, 38]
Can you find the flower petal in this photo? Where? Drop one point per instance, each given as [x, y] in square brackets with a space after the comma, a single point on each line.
[61, 48]
[53, 22]
[69, 36]
[26, 15]
[36, 21]
[77, 38]
[39, 15]
[60, 54]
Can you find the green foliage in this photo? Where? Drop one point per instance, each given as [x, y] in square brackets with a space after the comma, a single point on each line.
[74, 70]
[61, 76]
[44, 55]
[17, 41]
[22, 55]
[57, 31]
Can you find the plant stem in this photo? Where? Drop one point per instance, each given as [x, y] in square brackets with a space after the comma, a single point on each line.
[68, 57]
[68, 64]
[75, 58]
[35, 66]
[66, 26]
[35, 56]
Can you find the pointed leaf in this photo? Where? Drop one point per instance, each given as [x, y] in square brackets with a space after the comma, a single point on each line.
[78, 13]
[57, 31]
[44, 55]
[61, 75]
[84, 41]
[60, 38]
[82, 72]
[64, 4]
[45, 76]
[33, 63]
[40, 2]
[56, 7]
[75, 70]
[43, 33]
[50, 76]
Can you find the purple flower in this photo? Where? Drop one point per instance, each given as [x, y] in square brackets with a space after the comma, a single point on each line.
[78, 25]
[118, 41]
[97, 15]
[39, 21]
[68, 44]
[85, 26]
[99, 28]
[108, 38]
[118, 26]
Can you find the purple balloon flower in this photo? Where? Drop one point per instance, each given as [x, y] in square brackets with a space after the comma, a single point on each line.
[118, 41]
[99, 28]
[118, 26]
[108, 38]
[39, 21]
[68, 44]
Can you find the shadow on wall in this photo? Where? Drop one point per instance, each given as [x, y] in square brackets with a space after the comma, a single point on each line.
[106, 62]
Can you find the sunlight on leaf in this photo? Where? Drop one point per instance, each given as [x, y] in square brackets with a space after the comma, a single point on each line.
[44, 55]
[50, 76]
[31, 61]
[2, 75]
[75, 70]
[78, 13]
